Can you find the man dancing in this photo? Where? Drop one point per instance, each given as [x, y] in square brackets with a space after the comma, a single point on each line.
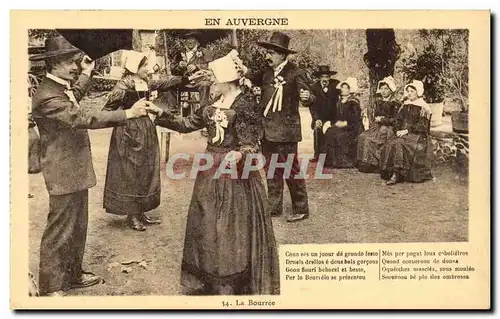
[67, 163]
[283, 86]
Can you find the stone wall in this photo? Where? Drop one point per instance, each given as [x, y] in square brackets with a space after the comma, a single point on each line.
[451, 148]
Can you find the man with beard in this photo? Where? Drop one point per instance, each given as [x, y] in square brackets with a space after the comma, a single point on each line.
[66, 163]
[283, 87]
[323, 108]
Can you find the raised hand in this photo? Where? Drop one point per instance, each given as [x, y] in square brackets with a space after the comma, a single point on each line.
[198, 74]
[87, 64]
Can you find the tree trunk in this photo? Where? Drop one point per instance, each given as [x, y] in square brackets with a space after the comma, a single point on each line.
[381, 56]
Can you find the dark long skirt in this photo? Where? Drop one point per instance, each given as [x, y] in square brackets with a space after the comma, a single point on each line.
[133, 173]
[410, 156]
[341, 147]
[370, 145]
[229, 237]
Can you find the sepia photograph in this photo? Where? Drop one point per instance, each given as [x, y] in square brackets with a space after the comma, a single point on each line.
[386, 108]
[244, 156]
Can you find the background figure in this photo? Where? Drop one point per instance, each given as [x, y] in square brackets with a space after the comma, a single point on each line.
[192, 59]
[323, 109]
[342, 136]
[371, 141]
[283, 86]
[133, 174]
[67, 163]
[408, 156]
[229, 246]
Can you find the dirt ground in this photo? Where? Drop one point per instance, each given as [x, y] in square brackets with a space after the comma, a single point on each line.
[349, 208]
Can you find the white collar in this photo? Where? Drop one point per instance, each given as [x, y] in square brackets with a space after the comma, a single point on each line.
[58, 80]
[280, 67]
[225, 102]
[418, 102]
[193, 49]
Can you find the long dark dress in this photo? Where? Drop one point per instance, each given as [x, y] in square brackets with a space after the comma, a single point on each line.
[371, 141]
[341, 143]
[133, 173]
[229, 238]
[409, 155]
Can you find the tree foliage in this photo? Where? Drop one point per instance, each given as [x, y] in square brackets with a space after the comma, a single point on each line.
[441, 64]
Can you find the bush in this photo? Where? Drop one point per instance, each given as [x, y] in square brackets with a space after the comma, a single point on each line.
[442, 65]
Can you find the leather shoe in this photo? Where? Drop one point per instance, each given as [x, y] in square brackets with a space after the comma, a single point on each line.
[58, 293]
[148, 220]
[135, 223]
[393, 180]
[297, 217]
[87, 279]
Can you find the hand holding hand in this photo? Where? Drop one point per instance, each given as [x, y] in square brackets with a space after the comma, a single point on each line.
[233, 157]
[154, 109]
[183, 64]
[138, 109]
[198, 74]
[191, 68]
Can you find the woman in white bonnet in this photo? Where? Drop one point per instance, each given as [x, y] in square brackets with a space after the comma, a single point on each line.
[370, 142]
[408, 155]
[133, 175]
[229, 246]
[343, 129]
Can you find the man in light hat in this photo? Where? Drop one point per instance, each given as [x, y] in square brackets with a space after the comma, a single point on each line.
[283, 86]
[327, 95]
[67, 162]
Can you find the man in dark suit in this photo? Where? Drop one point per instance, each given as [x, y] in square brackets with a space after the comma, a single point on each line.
[67, 163]
[193, 58]
[323, 109]
[283, 87]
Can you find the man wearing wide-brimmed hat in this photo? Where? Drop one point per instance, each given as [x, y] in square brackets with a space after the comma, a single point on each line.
[283, 87]
[193, 58]
[327, 95]
[67, 162]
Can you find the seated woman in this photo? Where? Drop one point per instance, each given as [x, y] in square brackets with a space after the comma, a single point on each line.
[370, 142]
[342, 136]
[229, 246]
[408, 155]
